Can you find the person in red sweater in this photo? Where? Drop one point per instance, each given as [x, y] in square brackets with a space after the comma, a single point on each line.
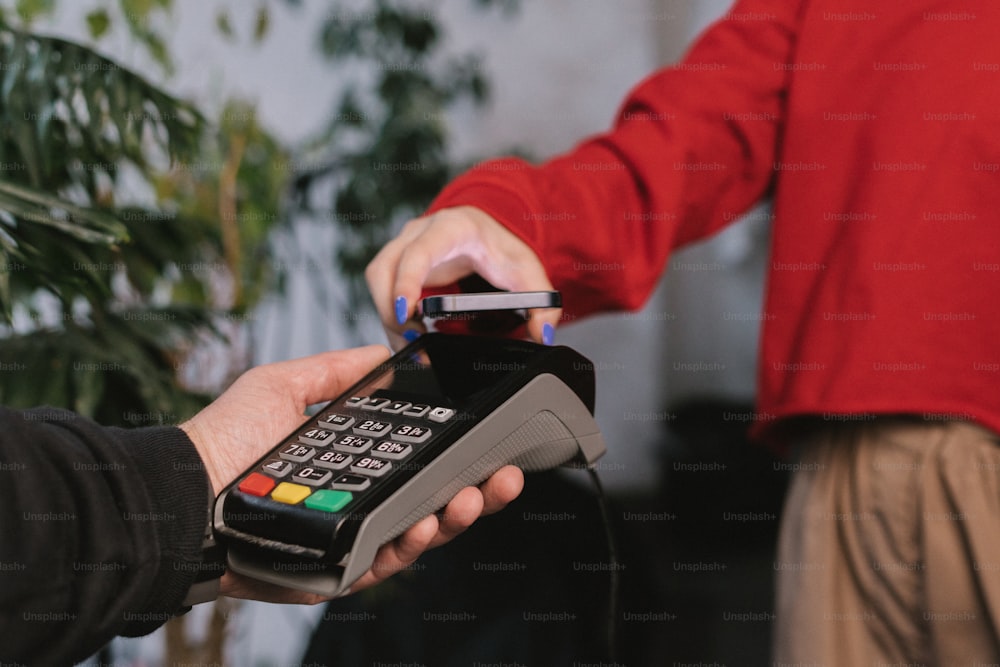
[874, 129]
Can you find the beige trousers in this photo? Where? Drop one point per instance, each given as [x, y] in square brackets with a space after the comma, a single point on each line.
[889, 553]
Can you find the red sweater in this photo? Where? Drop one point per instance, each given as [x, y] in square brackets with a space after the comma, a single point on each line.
[876, 129]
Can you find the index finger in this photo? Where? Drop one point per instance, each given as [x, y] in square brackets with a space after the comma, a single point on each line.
[380, 274]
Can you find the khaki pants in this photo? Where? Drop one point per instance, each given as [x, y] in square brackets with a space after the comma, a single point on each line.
[889, 551]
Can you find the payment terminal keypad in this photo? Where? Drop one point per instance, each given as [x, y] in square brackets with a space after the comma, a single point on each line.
[345, 452]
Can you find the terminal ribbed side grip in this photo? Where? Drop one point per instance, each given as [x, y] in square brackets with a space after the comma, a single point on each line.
[541, 443]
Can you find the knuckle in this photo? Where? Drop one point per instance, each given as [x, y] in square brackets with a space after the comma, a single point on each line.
[372, 271]
[412, 261]
[414, 225]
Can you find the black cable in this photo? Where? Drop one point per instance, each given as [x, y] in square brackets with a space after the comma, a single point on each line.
[613, 578]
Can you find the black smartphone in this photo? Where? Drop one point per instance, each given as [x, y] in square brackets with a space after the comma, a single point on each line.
[445, 305]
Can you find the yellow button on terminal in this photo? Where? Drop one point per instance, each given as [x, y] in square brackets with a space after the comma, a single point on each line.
[290, 494]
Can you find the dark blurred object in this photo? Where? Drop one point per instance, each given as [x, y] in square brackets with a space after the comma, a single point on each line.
[523, 586]
[713, 472]
[722, 496]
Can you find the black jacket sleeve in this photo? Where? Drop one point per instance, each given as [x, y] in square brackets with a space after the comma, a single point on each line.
[100, 532]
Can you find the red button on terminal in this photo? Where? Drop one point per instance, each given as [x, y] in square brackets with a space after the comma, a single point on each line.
[256, 484]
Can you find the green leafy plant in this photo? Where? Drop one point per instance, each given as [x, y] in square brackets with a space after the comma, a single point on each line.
[384, 147]
[122, 211]
[133, 229]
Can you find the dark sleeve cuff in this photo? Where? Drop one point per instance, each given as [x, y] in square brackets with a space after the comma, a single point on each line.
[175, 479]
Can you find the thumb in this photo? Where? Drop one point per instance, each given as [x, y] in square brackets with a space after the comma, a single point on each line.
[326, 375]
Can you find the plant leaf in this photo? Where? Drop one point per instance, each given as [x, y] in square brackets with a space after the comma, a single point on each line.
[98, 23]
[262, 24]
[90, 225]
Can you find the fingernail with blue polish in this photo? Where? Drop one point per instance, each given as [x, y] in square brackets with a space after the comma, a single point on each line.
[400, 309]
[548, 334]
[411, 335]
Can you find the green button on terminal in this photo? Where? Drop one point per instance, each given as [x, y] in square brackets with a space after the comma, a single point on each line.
[329, 501]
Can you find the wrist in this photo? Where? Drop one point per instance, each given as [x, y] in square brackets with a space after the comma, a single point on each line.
[213, 563]
[212, 568]
[201, 445]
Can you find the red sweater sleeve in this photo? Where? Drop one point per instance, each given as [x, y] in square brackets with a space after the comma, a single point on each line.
[692, 148]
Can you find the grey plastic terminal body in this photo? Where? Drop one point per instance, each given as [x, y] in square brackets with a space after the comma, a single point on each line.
[541, 426]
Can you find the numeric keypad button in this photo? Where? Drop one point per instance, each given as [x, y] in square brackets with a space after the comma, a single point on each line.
[371, 466]
[336, 422]
[312, 476]
[332, 460]
[297, 453]
[317, 436]
[352, 444]
[409, 433]
[387, 449]
[373, 428]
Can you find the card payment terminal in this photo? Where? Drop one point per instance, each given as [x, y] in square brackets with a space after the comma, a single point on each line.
[445, 412]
